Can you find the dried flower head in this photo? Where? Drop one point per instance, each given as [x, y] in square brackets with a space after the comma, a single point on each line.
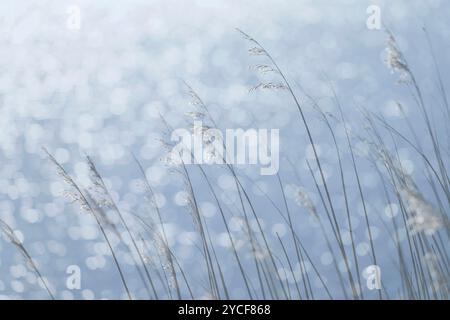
[257, 51]
[97, 189]
[303, 199]
[423, 215]
[263, 68]
[200, 130]
[269, 86]
[73, 193]
[195, 115]
[396, 62]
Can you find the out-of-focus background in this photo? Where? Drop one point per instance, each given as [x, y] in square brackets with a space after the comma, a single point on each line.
[98, 88]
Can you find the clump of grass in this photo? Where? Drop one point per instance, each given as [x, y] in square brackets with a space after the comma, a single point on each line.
[12, 237]
[422, 260]
[75, 194]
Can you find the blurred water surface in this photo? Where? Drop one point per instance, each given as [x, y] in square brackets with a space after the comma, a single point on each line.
[99, 90]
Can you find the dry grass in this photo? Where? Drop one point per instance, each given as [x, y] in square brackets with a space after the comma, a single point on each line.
[421, 261]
